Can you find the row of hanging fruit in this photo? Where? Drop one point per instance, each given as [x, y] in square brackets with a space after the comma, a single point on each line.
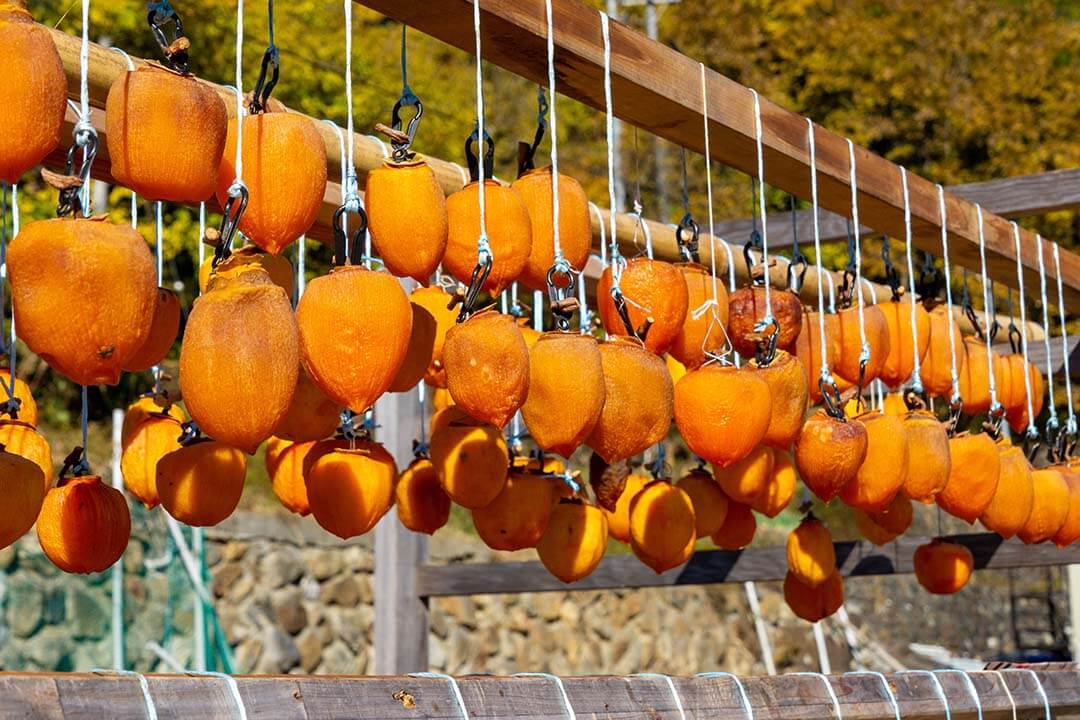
[255, 371]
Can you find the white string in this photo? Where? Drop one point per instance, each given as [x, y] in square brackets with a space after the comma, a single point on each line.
[832, 292]
[346, 169]
[938, 689]
[583, 305]
[483, 248]
[732, 286]
[538, 310]
[144, 687]
[1052, 421]
[747, 707]
[554, 135]
[558, 683]
[916, 369]
[1070, 424]
[1008, 692]
[828, 688]
[15, 223]
[988, 304]
[708, 184]
[864, 356]
[826, 376]
[948, 293]
[970, 686]
[155, 371]
[1038, 685]
[84, 63]
[884, 684]
[1032, 432]
[202, 233]
[135, 212]
[671, 687]
[349, 191]
[761, 202]
[301, 272]
[616, 260]
[237, 186]
[451, 680]
[230, 682]
[603, 233]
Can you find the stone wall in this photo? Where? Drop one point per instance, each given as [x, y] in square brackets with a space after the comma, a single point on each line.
[291, 598]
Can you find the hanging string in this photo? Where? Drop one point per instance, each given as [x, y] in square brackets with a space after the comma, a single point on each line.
[988, 308]
[559, 258]
[1052, 420]
[969, 685]
[84, 133]
[938, 689]
[350, 196]
[615, 260]
[708, 185]
[768, 319]
[345, 167]
[826, 375]
[916, 369]
[884, 684]
[301, 271]
[1070, 424]
[955, 399]
[12, 340]
[159, 256]
[483, 247]
[84, 419]
[864, 355]
[238, 187]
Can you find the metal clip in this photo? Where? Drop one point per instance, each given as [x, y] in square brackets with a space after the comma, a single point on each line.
[476, 283]
[271, 62]
[473, 161]
[688, 235]
[527, 152]
[830, 398]
[563, 297]
[765, 351]
[70, 199]
[174, 50]
[346, 251]
[230, 221]
[401, 149]
[956, 409]
[75, 463]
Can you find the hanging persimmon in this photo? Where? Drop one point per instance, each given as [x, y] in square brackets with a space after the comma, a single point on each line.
[708, 500]
[519, 514]
[883, 527]
[811, 557]
[936, 369]
[154, 438]
[419, 351]
[575, 228]
[422, 504]
[829, 453]
[974, 468]
[746, 309]
[28, 409]
[723, 412]
[903, 343]
[638, 401]
[200, 484]
[619, 519]
[55, 266]
[440, 305]
[574, 541]
[407, 218]
[487, 367]
[1018, 417]
[814, 604]
[354, 326]
[893, 404]
[284, 166]
[277, 266]
[143, 408]
[703, 331]
[470, 457]
[163, 329]
[240, 358]
[663, 529]
[1050, 506]
[975, 375]
[565, 369]
[350, 489]
[509, 234]
[656, 298]
[166, 134]
[285, 463]
[929, 460]
[675, 368]
[885, 467]
[745, 480]
[808, 349]
[311, 415]
[850, 339]
[1014, 496]
[790, 396]
[84, 525]
[20, 438]
[24, 491]
[34, 91]
[1069, 532]
[738, 529]
[780, 487]
[943, 568]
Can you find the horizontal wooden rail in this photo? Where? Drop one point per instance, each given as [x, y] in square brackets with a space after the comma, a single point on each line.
[658, 89]
[1002, 695]
[853, 558]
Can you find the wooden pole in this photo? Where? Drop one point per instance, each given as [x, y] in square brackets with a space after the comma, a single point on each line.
[658, 89]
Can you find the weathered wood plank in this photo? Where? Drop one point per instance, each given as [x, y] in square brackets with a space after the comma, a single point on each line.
[854, 558]
[83, 701]
[30, 696]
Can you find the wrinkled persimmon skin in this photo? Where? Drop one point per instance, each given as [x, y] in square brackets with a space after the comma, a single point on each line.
[973, 476]
[813, 604]
[20, 438]
[900, 360]
[406, 210]
[552, 385]
[574, 541]
[638, 401]
[877, 335]
[201, 484]
[471, 458]
[738, 529]
[708, 500]
[808, 349]
[780, 488]
[419, 350]
[746, 480]
[883, 527]
[1014, 497]
[487, 367]
[155, 437]
[662, 526]
[163, 329]
[811, 556]
[943, 568]
[705, 334]
[20, 503]
[84, 525]
[885, 467]
[722, 412]
[575, 228]
[311, 415]
[929, 460]
[746, 308]
[1018, 416]
[1050, 508]
[829, 453]
[654, 290]
[277, 267]
[166, 135]
[519, 514]
[438, 304]
[509, 233]
[619, 518]
[790, 396]
[936, 368]
[975, 375]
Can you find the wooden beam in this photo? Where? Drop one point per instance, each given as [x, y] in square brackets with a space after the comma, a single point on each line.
[784, 697]
[658, 89]
[854, 558]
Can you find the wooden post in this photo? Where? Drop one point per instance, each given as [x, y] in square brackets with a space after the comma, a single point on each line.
[401, 624]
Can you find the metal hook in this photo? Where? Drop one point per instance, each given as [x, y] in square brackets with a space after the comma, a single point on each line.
[476, 282]
[175, 50]
[346, 251]
[230, 221]
[688, 236]
[473, 161]
[563, 296]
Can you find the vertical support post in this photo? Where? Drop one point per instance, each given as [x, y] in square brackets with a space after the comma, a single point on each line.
[759, 626]
[1073, 572]
[118, 568]
[401, 623]
[198, 651]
